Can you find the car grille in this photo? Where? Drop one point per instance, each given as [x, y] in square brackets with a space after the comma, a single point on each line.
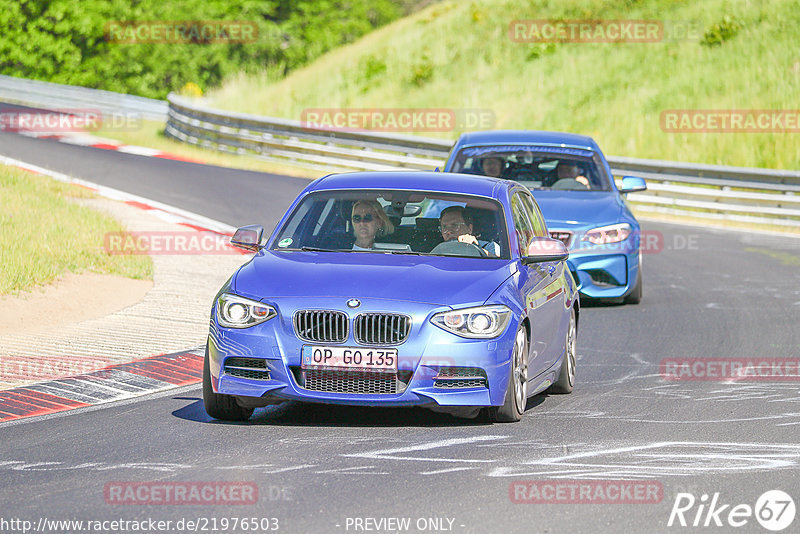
[359, 382]
[460, 377]
[254, 368]
[565, 236]
[326, 326]
[381, 328]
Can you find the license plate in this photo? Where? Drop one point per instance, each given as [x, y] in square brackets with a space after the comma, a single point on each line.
[361, 358]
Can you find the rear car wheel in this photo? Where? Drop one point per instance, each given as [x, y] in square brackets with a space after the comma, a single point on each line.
[517, 391]
[217, 405]
[566, 376]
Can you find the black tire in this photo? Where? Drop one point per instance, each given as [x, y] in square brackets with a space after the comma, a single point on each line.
[635, 296]
[566, 375]
[217, 405]
[517, 391]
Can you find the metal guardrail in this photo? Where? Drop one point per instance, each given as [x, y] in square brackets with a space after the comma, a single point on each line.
[759, 196]
[288, 141]
[56, 96]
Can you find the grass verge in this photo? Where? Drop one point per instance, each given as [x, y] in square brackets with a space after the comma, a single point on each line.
[44, 233]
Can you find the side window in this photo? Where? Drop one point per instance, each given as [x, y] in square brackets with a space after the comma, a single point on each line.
[539, 226]
[522, 225]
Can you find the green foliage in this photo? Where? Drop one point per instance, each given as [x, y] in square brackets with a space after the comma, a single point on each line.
[615, 92]
[720, 32]
[540, 49]
[372, 67]
[66, 41]
[422, 70]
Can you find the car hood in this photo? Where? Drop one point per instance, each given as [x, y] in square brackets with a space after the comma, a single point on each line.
[579, 209]
[428, 279]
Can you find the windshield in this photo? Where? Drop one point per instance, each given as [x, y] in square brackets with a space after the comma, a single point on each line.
[535, 167]
[399, 222]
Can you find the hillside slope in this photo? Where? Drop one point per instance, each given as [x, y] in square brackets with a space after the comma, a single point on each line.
[459, 55]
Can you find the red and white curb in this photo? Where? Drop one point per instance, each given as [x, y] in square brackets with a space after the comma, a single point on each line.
[122, 381]
[114, 383]
[93, 141]
[162, 211]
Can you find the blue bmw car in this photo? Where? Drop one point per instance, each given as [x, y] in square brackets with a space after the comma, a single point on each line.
[396, 289]
[575, 189]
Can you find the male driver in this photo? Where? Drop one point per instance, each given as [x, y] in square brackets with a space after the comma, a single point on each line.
[456, 223]
[569, 170]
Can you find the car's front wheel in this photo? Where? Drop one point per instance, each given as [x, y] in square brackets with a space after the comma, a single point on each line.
[517, 391]
[218, 405]
[635, 296]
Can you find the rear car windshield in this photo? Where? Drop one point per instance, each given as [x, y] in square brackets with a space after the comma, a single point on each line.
[535, 168]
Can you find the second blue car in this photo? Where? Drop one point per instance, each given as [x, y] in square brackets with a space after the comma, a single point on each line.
[575, 189]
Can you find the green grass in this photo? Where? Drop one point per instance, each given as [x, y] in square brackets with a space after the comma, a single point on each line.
[44, 233]
[457, 54]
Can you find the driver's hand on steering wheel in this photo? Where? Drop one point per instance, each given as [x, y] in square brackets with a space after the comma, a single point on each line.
[469, 239]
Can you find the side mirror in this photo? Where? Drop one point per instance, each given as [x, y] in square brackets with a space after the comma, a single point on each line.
[544, 249]
[632, 184]
[248, 237]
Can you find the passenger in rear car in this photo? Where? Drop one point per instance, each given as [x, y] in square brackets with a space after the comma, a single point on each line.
[369, 220]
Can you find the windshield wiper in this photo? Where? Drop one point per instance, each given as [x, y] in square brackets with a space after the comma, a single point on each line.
[410, 252]
[317, 249]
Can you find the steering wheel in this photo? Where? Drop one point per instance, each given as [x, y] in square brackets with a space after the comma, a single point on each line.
[457, 248]
[569, 184]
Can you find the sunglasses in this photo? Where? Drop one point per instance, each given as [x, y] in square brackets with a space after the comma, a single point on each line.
[367, 217]
[451, 227]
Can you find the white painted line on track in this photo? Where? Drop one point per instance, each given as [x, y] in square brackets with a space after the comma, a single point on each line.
[159, 209]
[388, 454]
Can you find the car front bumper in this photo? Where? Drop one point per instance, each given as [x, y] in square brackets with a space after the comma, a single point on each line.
[425, 362]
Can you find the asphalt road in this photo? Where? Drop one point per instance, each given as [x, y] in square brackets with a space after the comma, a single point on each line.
[707, 294]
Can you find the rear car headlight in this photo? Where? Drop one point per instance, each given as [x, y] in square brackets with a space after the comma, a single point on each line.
[234, 311]
[478, 322]
[608, 234]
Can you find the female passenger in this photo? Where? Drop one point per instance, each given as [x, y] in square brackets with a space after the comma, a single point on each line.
[369, 220]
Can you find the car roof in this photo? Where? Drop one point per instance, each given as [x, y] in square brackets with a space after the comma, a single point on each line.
[531, 137]
[444, 182]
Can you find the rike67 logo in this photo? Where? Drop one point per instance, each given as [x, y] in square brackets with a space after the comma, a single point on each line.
[774, 510]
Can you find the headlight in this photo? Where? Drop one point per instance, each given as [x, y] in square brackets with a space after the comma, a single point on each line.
[234, 311]
[479, 322]
[608, 234]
